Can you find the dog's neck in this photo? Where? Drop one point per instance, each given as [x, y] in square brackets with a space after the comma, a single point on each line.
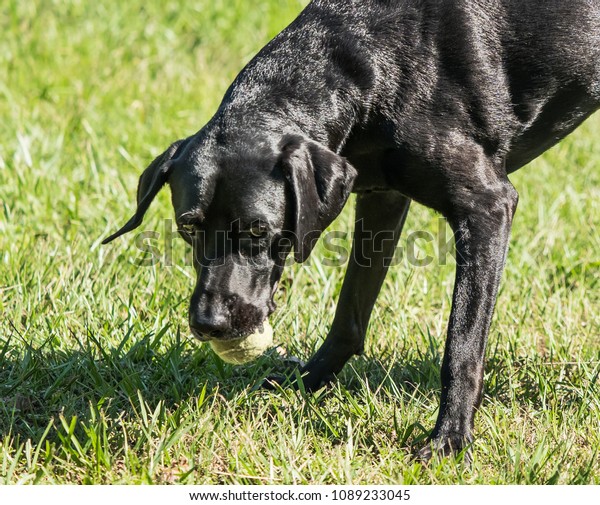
[328, 122]
[323, 104]
[262, 123]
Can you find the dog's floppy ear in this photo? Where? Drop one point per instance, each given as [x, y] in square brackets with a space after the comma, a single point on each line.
[151, 182]
[321, 182]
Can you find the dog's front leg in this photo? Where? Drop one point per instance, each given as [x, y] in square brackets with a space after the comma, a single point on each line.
[380, 217]
[481, 216]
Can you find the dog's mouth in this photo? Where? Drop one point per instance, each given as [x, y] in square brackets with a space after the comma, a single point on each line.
[230, 336]
[200, 336]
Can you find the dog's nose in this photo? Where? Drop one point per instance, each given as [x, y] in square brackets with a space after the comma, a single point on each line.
[214, 328]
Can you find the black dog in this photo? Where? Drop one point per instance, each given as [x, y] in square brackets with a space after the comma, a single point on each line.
[435, 101]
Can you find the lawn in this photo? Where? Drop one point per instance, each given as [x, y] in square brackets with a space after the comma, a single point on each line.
[100, 381]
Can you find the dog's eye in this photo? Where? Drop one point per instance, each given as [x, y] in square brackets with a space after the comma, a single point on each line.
[257, 231]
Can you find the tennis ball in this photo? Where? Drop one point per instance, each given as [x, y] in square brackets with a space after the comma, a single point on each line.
[244, 350]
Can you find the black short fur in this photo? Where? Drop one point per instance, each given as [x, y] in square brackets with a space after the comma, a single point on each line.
[435, 101]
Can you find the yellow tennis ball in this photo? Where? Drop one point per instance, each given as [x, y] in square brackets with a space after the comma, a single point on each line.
[238, 352]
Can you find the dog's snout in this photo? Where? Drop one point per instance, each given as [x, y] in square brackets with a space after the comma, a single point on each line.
[210, 316]
[212, 328]
[224, 317]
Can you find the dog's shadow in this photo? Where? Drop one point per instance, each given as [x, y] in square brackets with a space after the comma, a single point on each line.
[38, 384]
[52, 383]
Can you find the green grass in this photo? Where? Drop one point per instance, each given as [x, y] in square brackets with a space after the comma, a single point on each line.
[99, 380]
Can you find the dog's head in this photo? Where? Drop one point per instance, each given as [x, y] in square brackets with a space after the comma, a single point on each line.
[243, 206]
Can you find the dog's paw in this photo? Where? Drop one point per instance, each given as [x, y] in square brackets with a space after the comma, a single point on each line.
[311, 383]
[273, 382]
[303, 382]
[454, 444]
[304, 377]
[288, 365]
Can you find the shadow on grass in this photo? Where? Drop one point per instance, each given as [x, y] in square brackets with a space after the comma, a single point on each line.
[44, 383]
[367, 390]
[38, 384]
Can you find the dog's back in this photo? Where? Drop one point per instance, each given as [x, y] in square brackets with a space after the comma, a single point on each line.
[517, 75]
[552, 68]
[522, 74]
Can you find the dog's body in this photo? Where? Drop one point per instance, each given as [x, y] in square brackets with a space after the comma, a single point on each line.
[428, 100]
